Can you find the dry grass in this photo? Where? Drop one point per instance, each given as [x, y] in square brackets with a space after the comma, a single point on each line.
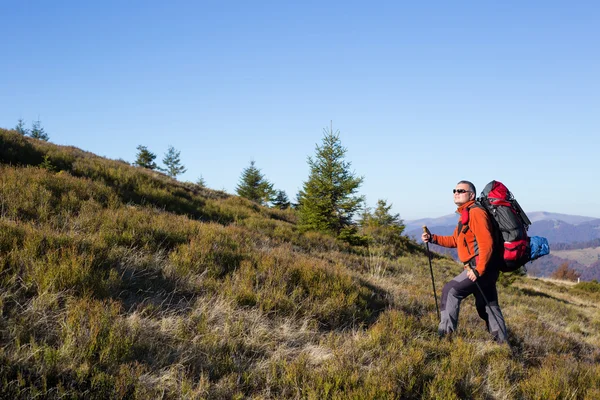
[119, 282]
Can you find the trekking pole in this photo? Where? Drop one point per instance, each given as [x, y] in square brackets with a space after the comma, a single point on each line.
[487, 303]
[425, 230]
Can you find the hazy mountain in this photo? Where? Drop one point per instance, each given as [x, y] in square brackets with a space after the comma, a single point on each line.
[417, 224]
[571, 219]
[559, 231]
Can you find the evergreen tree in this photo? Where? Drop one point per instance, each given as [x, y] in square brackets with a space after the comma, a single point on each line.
[327, 201]
[296, 205]
[173, 162]
[383, 229]
[381, 217]
[145, 158]
[37, 131]
[47, 164]
[254, 186]
[281, 200]
[21, 127]
[201, 182]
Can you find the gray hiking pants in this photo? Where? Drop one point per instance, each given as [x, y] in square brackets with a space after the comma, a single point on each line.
[459, 288]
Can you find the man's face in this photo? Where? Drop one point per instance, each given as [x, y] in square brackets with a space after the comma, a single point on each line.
[462, 194]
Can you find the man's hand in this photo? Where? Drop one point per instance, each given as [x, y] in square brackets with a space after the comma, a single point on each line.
[426, 237]
[471, 275]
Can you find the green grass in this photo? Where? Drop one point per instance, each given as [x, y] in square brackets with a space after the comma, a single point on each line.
[118, 282]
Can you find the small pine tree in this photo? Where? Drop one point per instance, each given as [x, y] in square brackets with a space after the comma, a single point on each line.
[38, 132]
[173, 163]
[381, 218]
[254, 186]
[281, 200]
[201, 182]
[383, 228]
[47, 164]
[327, 201]
[145, 158]
[20, 128]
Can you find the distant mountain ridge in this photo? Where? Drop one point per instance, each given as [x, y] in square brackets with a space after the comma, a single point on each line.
[570, 219]
[417, 224]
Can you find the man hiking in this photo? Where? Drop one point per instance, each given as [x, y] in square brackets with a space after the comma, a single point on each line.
[473, 238]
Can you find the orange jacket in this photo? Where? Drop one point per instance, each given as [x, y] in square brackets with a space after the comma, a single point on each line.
[477, 240]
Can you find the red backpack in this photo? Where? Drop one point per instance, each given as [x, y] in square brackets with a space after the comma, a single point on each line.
[509, 222]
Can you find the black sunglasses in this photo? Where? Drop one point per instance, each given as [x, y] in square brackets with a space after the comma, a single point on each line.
[461, 191]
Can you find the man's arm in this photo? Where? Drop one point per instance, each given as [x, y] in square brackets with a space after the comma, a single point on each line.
[445, 241]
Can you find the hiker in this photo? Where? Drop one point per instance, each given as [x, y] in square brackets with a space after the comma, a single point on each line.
[475, 245]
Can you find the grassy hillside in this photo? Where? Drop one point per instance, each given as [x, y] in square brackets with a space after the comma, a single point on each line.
[118, 282]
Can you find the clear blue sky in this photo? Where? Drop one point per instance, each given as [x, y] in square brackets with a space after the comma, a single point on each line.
[423, 93]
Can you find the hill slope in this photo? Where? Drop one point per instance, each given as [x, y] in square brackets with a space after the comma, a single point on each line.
[118, 282]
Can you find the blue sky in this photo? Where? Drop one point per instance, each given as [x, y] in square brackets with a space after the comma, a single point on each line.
[423, 94]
